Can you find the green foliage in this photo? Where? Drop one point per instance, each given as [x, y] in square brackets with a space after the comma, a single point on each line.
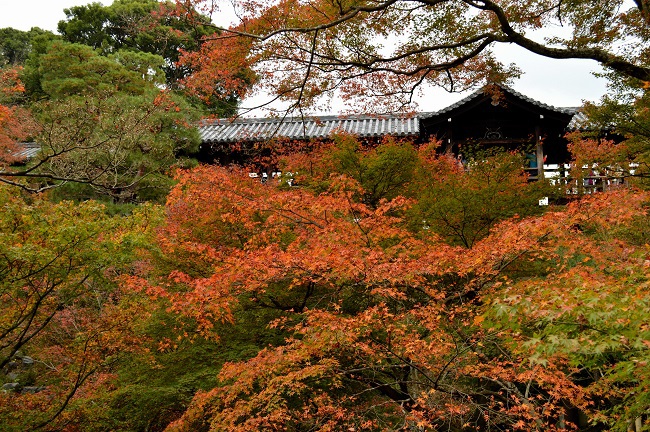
[121, 146]
[383, 172]
[60, 302]
[88, 25]
[460, 203]
[17, 45]
[616, 135]
[153, 388]
[316, 305]
[31, 75]
[105, 122]
[74, 69]
[590, 312]
[138, 26]
[463, 203]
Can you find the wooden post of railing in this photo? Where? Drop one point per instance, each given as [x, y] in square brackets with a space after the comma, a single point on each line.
[539, 151]
[593, 178]
[450, 139]
[635, 425]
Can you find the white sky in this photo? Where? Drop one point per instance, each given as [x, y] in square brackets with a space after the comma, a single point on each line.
[554, 82]
[25, 14]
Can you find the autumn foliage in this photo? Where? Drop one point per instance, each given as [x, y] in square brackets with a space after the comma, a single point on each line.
[372, 286]
[15, 122]
[328, 303]
[386, 325]
[377, 55]
[65, 322]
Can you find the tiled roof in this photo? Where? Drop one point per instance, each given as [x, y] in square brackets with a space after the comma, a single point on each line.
[253, 129]
[538, 103]
[480, 92]
[27, 150]
[261, 129]
[579, 120]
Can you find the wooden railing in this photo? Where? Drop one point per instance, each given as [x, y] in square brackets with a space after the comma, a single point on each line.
[594, 179]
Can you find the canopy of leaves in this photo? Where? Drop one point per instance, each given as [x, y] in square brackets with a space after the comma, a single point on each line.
[64, 321]
[463, 202]
[75, 69]
[372, 51]
[329, 305]
[136, 25]
[459, 202]
[382, 288]
[152, 27]
[106, 123]
[385, 324]
[17, 45]
[624, 114]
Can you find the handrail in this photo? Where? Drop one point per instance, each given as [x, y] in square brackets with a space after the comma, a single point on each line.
[596, 179]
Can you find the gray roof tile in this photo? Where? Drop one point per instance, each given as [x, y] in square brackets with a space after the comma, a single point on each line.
[27, 151]
[579, 121]
[479, 93]
[256, 129]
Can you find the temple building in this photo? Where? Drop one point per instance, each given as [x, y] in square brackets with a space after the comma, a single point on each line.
[492, 116]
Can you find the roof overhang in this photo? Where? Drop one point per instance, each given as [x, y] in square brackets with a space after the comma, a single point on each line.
[318, 127]
[499, 95]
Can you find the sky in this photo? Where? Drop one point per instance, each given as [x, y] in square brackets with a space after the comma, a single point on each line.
[562, 83]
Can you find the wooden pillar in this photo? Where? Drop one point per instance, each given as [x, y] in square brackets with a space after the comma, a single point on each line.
[539, 150]
[449, 145]
[635, 425]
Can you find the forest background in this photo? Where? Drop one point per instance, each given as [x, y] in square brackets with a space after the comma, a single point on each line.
[390, 290]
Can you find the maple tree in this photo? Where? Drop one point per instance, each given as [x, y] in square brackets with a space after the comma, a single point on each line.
[359, 317]
[376, 55]
[589, 314]
[382, 288]
[464, 202]
[623, 114]
[65, 322]
[386, 325]
[385, 50]
[15, 122]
